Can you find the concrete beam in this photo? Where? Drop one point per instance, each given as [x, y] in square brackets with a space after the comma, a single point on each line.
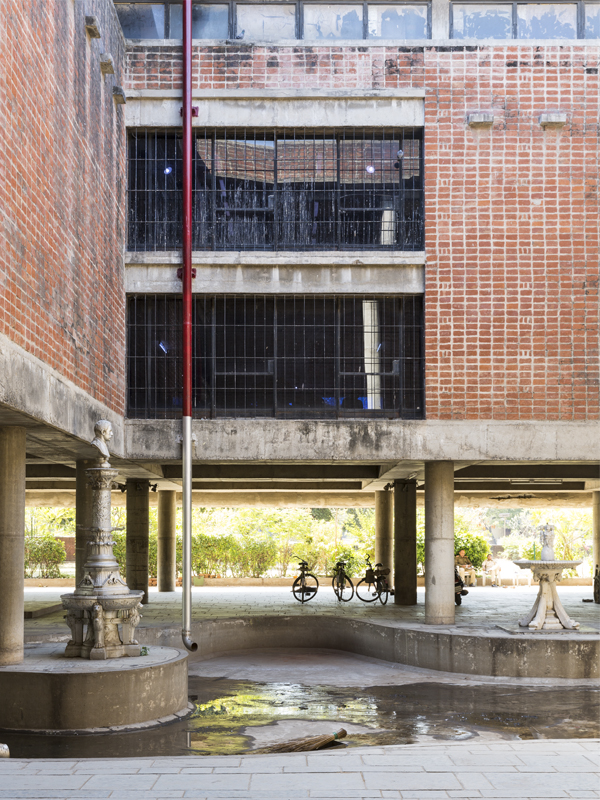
[277, 486]
[277, 472]
[265, 109]
[33, 388]
[280, 273]
[365, 440]
[517, 485]
[338, 499]
[521, 500]
[579, 472]
[51, 486]
[49, 472]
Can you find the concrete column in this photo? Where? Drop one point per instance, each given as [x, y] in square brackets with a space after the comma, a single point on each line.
[439, 543]
[166, 550]
[12, 543]
[83, 516]
[596, 529]
[138, 530]
[384, 530]
[405, 543]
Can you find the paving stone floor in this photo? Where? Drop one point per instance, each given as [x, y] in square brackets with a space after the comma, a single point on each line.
[484, 607]
[515, 769]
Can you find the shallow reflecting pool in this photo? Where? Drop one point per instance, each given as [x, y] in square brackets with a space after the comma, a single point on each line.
[239, 716]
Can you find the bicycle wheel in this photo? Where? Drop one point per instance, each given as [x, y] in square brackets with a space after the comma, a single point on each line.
[305, 587]
[366, 591]
[384, 592]
[343, 587]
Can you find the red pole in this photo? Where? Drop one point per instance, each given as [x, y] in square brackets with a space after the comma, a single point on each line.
[186, 631]
[187, 208]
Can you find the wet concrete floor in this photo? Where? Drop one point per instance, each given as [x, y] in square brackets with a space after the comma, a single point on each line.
[234, 715]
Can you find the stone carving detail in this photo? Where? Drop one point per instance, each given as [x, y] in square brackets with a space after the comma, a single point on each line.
[103, 433]
[102, 611]
[547, 613]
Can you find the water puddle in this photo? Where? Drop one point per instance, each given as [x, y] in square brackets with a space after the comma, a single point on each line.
[239, 716]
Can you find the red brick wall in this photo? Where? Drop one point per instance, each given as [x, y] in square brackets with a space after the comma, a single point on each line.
[512, 212]
[62, 151]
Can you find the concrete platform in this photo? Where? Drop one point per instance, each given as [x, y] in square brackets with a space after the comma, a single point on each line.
[517, 769]
[52, 693]
[235, 619]
[34, 610]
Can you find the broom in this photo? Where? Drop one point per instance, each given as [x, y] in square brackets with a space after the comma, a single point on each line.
[300, 745]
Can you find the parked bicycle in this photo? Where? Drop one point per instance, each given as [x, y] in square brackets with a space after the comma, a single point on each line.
[342, 583]
[306, 584]
[374, 586]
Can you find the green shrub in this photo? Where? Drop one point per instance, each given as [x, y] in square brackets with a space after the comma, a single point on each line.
[43, 553]
[475, 545]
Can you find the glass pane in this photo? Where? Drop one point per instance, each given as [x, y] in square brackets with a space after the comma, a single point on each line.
[397, 22]
[546, 21]
[333, 22]
[266, 22]
[592, 21]
[208, 22]
[481, 22]
[141, 21]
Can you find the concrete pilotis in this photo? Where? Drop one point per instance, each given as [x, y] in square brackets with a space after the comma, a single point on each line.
[384, 531]
[596, 527]
[405, 543]
[439, 542]
[12, 542]
[166, 546]
[138, 529]
[83, 516]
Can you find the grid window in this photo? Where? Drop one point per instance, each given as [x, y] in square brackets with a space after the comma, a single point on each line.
[592, 21]
[562, 20]
[274, 21]
[397, 22]
[287, 190]
[297, 357]
[142, 20]
[268, 22]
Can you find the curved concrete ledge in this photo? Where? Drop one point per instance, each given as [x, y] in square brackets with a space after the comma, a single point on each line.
[48, 692]
[492, 652]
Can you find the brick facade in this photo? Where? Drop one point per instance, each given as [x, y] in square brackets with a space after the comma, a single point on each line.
[62, 193]
[512, 212]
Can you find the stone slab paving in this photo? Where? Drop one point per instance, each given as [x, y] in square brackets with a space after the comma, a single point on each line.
[483, 609]
[557, 768]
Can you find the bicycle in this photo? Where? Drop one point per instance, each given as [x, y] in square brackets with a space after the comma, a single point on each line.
[374, 586]
[341, 583]
[306, 584]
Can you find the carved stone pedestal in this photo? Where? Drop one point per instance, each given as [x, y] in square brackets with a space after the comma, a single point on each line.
[548, 612]
[102, 612]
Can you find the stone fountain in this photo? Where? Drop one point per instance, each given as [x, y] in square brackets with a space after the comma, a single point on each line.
[102, 612]
[548, 612]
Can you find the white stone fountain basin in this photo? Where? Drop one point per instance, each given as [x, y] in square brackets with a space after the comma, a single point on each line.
[547, 612]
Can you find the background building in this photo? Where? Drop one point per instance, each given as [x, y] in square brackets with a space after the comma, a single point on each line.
[396, 253]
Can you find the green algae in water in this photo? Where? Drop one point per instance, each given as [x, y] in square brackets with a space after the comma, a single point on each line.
[227, 713]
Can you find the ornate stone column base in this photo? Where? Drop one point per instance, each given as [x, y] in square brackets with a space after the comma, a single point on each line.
[548, 612]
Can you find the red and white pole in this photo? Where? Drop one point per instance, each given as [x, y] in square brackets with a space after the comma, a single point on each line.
[186, 632]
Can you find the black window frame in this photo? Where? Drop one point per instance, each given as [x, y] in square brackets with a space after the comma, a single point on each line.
[234, 378]
[219, 225]
[299, 4]
[580, 25]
